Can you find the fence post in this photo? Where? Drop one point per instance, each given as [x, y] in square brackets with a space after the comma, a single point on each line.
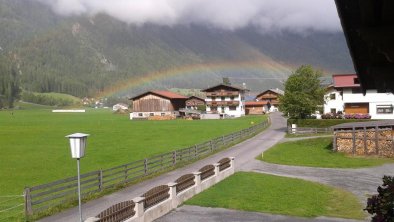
[174, 157]
[125, 173]
[211, 144]
[146, 166]
[334, 142]
[377, 139]
[28, 207]
[100, 180]
[217, 179]
[195, 151]
[223, 141]
[354, 140]
[365, 141]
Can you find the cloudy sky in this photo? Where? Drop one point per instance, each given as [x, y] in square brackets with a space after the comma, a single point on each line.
[267, 15]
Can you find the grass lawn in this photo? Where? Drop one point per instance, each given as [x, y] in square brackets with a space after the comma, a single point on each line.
[317, 153]
[279, 195]
[34, 149]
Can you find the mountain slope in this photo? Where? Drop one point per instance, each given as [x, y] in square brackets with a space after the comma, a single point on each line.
[85, 56]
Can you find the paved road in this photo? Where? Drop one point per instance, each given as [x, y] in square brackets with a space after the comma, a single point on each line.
[243, 153]
[198, 214]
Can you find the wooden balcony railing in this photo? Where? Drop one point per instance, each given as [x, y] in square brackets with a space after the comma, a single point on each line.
[223, 103]
[226, 93]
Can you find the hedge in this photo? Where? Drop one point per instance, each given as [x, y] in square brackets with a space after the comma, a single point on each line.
[321, 123]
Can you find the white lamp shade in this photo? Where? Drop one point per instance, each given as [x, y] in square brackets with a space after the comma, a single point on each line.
[77, 144]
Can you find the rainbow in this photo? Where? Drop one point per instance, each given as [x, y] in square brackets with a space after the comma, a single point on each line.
[195, 69]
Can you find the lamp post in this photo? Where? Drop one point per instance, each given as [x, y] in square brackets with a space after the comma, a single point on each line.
[77, 146]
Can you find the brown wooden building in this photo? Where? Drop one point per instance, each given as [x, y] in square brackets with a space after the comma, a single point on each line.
[157, 103]
[260, 103]
[193, 102]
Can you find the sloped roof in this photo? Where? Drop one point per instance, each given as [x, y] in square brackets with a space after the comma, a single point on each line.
[225, 85]
[277, 91]
[368, 124]
[345, 80]
[196, 97]
[161, 93]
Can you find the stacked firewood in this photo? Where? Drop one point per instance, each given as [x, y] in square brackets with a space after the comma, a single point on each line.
[365, 142]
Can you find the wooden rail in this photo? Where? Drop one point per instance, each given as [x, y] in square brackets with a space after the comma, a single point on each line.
[308, 130]
[43, 197]
[156, 195]
[118, 212]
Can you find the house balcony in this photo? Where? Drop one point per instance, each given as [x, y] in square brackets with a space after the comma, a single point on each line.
[225, 93]
[222, 103]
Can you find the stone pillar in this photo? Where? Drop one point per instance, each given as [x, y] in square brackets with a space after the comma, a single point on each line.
[139, 208]
[197, 180]
[218, 176]
[232, 165]
[173, 197]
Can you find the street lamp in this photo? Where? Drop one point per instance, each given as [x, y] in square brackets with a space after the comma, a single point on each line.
[77, 146]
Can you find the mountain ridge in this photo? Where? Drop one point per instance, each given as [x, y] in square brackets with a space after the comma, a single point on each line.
[87, 55]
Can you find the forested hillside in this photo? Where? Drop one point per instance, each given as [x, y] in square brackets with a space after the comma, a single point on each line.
[84, 56]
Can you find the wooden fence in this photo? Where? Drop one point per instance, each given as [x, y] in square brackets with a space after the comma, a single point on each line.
[118, 212]
[308, 130]
[43, 197]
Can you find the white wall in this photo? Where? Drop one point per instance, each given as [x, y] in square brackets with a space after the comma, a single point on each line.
[372, 97]
[337, 104]
[240, 109]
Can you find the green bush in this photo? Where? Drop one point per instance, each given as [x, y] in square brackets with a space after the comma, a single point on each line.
[321, 123]
[381, 206]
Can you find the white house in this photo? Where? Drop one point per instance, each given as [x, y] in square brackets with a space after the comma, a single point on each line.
[225, 100]
[345, 95]
[120, 106]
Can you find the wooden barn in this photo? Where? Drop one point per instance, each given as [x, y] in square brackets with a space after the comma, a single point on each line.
[193, 102]
[255, 107]
[157, 103]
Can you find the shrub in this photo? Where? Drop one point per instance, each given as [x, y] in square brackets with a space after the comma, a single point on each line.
[381, 206]
[357, 116]
[332, 116]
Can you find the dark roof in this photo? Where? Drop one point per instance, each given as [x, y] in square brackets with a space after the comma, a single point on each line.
[368, 124]
[368, 28]
[196, 97]
[161, 93]
[277, 91]
[225, 85]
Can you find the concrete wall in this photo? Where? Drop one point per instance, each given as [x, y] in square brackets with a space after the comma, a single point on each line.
[175, 199]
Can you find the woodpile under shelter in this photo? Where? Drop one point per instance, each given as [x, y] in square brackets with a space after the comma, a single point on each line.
[365, 138]
[157, 105]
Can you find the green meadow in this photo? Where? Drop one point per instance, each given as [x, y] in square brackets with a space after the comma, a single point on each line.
[34, 149]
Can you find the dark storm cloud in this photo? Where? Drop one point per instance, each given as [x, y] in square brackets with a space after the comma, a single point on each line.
[268, 15]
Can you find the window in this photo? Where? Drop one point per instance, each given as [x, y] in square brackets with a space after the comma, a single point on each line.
[151, 114]
[162, 114]
[223, 98]
[139, 114]
[231, 97]
[213, 98]
[332, 96]
[384, 109]
[356, 81]
[333, 111]
[233, 108]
